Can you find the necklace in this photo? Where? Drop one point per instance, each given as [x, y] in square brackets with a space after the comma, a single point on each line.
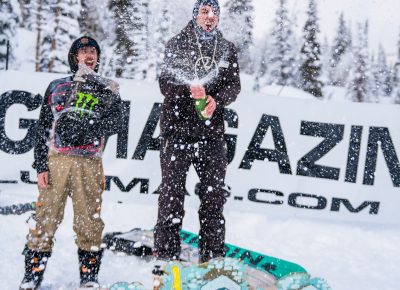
[208, 62]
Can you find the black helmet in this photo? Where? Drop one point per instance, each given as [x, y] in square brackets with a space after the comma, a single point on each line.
[84, 41]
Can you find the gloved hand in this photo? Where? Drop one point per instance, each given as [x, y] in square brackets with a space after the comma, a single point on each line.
[197, 91]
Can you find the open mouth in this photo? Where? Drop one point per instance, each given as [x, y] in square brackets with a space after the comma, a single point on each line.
[209, 27]
[90, 63]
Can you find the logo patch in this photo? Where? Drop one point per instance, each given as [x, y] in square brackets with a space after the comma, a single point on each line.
[224, 64]
[84, 41]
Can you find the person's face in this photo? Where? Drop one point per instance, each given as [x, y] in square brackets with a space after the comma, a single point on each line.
[88, 56]
[207, 18]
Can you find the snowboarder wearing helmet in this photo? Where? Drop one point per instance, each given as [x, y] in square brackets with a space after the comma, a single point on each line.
[77, 113]
[199, 78]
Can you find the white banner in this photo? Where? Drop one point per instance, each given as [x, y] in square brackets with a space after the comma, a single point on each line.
[289, 156]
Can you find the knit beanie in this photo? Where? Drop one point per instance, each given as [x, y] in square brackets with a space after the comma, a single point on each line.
[84, 41]
[213, 3]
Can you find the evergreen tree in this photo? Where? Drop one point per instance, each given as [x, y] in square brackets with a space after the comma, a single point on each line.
[65, 32]
[166, 18]
[396, 95]
[123, 49]
[29, 14]
[261, 70]
[130, 49]
[339, 65]
[105, 27]
[388, 84]
[381, 74]
[310, 69]
[396, 76]
[162, 35]
[359, 89]
[237, 26]
[281, 55]
[89, 19]
[9, 19]
[325, 59]
[45, 33]
[141, 38]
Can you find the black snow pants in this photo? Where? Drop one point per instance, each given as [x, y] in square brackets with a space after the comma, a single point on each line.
[209, 159]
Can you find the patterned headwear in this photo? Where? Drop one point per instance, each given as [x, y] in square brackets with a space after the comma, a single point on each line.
[84, 41]
[213, 3]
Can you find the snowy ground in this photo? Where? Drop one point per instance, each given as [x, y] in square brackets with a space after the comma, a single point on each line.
[348, 256]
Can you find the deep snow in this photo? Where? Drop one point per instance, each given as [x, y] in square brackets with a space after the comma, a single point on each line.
[348, 256]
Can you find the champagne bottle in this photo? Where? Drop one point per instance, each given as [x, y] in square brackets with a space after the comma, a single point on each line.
[200, 105]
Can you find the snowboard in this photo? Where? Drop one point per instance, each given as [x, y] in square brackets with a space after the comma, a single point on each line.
[140, 242]
[118, 286]
[253, 270]
[17, 209]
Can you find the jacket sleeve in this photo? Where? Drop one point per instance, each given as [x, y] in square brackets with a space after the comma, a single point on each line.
[171, 79]
[226, 91]
[42, 135]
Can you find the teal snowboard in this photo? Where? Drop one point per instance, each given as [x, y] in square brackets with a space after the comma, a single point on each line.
[140, 242]
[257, 271]
[275, 266]
[260, 269]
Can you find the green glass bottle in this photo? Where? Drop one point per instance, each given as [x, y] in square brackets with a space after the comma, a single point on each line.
[200, 105]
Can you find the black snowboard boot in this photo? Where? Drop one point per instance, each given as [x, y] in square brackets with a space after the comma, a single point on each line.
[35, 264]
[89, 265]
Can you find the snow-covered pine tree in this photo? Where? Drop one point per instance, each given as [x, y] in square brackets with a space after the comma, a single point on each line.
[130, 48]
[106, 37]
[281, 57]
[382, 75]
[29, 14]
[170, 17]
[162, 35]
[9, 19]
[359, 89]
[260, 58]
[237, 26]
[339, 64]
[65, 32]
[141, 37]
[90, 20]
[45, 33]
[325, 59]
[396, 95]
[310, 69]
[375, 80]
[396, 76]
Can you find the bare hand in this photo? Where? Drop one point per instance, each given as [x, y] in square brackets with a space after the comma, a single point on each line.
[198, 91]
[210, 107]
[83, 69]
[43, 179]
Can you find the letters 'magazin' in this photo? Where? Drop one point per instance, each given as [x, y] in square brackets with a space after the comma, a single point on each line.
[379, 138]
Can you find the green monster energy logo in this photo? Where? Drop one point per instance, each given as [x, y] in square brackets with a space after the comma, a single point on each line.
[83, 101]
